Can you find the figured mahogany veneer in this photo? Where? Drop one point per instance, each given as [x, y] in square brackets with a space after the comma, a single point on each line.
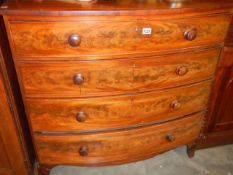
[116, 112]
[113, 82]
[111, 77]
[112, 37]
[116, 147]
[112, 8]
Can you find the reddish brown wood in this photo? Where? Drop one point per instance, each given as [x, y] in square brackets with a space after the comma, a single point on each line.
[74, 40]
[190, 34]
[220, 117]
[15, 154]
[175, 104]
[106, 113]
[119, 36]
[112, 147]
[114, 77]
[212, 139]
[43, 169]
[170, 138]
[83, 151]
[182, 70]
[81, 116]
[191, 149]
[81, 69]
[78, 79]
[114, 7]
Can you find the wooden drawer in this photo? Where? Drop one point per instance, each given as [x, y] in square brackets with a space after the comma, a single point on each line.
[111, 77]
[103, 38]
[82, 115]
[119, 146]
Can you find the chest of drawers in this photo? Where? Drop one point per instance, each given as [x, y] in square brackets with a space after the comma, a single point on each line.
[110, 86]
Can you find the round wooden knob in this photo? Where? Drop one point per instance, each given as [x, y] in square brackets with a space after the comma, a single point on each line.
[182, 70]
[175, 104]
[78, 79]
[190, 34]
[83, 151]
[81, 116]
[170, 138]
[74, 40]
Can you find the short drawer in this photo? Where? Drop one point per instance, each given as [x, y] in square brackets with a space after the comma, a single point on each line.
[93, 38]
[114, 77]
[109, 113]
[116, 147]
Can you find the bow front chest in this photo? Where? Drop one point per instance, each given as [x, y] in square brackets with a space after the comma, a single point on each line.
[111, 82]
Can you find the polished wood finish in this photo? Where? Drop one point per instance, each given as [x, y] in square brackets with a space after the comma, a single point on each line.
[16, 157]
[224, 105]
[11, 152]
[81, 116]
[212, 139]
[115, 7]
[112, 77]
[191, 149]
[112, 148]
[116, 112]
[112, 37]
[78, 79]
[74, 40]
[191, 34]
[114, 82]
[43, 169]
[219, 124]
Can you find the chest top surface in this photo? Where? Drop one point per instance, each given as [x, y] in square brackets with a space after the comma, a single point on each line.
[114, 7]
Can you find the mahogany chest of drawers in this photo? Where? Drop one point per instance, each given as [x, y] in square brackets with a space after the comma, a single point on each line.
[114, 82]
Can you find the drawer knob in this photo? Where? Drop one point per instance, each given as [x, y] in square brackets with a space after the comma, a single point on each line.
[74, 40]
[175, 104]
[78, 79]
[182, 70]
[83, 151]
[190, 35]
[81, 116]
[170, 138]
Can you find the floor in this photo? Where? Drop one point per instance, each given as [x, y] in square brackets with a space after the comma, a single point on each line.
[213, 161]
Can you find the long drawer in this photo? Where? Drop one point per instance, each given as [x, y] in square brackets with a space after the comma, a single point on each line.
[116, 147]
[93, 38]
[109, 113]
[112, 77]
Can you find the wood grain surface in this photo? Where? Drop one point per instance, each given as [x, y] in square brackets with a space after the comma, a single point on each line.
[16, 151]
[111, 37]
[112, 65]
[12, 155]
[111, 77]
[116, 112]
[117, 147]
[220, 116]
[114, 7]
